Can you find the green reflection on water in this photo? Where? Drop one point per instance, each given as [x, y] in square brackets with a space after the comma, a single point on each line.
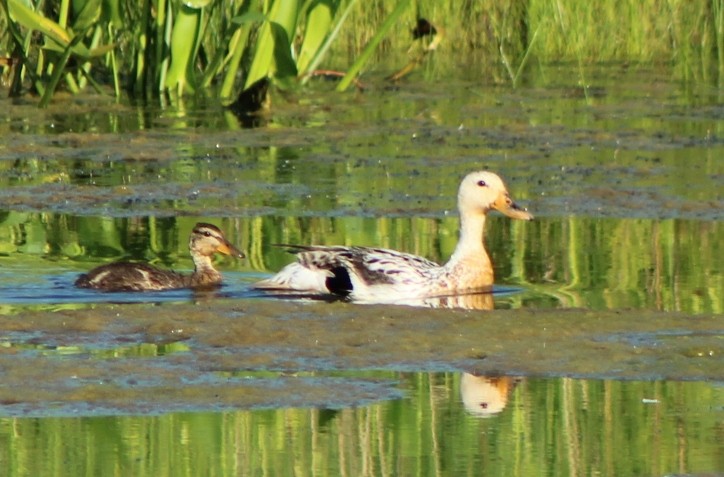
[597, 263]
[532, 427]
[130, 351]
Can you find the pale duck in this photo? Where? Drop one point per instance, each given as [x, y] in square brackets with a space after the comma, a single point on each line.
[376, 275]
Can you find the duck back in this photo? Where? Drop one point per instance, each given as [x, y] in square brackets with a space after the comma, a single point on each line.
[129, 276]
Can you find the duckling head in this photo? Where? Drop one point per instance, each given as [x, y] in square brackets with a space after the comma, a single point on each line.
[483, 191]
[208, 239]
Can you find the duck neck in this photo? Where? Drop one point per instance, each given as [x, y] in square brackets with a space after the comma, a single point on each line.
[204, 271]
[470, 245]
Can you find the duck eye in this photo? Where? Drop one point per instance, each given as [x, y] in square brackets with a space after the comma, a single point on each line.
[207, 233]
[482, 183]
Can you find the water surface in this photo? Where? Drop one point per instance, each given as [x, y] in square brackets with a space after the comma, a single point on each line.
[446, 425]
[600, 351]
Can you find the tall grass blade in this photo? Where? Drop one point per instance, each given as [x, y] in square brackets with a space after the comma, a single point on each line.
[261, 65]
[324, 48]
[319, 22]
[60, 37]
[86, 14]
[63, 13]
[141, 35]
[164, 30]
[273, 53]
[58, 69]
[285, 14]
[184, 39]
[372, 45]
[114, 65]
[34, 21]
[238, 47]
[718, 8]
[524, 60]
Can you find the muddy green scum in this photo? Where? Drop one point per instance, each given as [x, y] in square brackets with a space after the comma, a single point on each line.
[599, 352]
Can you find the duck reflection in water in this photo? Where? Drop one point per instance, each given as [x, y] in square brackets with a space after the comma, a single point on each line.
[485, 396]
[205, 241]
[482, 300]
[376, 275]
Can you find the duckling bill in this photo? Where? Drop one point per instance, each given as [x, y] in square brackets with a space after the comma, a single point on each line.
[205, 241]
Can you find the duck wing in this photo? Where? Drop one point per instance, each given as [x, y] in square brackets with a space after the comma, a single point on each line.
[130, 276]
[343, 270]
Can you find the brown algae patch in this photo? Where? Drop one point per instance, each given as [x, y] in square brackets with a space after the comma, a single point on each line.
[147, 358]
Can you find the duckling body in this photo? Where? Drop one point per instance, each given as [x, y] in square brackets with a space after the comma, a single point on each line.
[366, 274]
[205, 240]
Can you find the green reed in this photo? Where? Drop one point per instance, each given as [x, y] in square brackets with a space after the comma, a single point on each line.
[154, 47]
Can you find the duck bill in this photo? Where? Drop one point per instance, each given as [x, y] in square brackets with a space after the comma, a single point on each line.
[228, 249]
[505, 205]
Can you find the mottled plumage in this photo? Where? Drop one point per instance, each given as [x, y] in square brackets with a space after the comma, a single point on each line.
[380, 275]
[204, 242]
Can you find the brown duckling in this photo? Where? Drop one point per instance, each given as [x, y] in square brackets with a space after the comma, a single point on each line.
[204, 242]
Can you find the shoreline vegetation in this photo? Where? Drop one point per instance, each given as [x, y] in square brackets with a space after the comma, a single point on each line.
[227, 49]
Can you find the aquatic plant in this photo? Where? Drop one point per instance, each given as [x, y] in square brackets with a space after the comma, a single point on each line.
[167, 47]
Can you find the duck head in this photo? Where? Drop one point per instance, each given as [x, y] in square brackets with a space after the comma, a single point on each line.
[208, 239]
[483, 191]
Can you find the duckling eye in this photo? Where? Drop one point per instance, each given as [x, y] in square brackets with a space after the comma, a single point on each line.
[207, 233]
[482, 183]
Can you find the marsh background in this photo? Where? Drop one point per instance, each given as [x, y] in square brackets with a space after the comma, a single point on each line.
[605, 119]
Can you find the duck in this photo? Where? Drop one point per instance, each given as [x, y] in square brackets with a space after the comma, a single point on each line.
[205, 241]
[378, 275]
